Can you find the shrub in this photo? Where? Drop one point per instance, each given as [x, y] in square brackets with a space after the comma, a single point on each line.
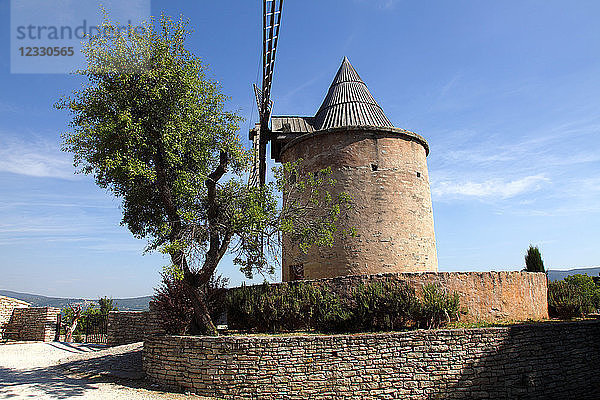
[107, 305]
[573, 297]
[280, 308]
[174, 305]
[332, 313]
[533, 260]
[437, 307]
[376, 306]
[380, 306]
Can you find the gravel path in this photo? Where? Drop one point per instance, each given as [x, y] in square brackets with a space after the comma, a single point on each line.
[75, 371]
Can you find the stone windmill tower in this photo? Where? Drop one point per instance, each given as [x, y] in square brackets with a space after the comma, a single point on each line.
[385, 170]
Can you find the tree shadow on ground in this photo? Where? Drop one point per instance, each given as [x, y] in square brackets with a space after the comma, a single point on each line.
[46, 380]
[120, 366]
[75, 378]
[77, 348]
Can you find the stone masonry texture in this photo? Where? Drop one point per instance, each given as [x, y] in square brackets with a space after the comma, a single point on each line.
[33, 323]
[487, 296]
[555, 360]
[386, 174]
[7, 305]
[125, 327]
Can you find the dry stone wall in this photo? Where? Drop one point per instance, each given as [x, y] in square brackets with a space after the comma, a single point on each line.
[537, 361]
[487, 296]
[33, 323]
[7, 305]
[126, 327]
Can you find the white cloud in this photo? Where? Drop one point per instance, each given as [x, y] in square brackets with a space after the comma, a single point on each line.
[383, 4]
[493, 188]
[39, 158]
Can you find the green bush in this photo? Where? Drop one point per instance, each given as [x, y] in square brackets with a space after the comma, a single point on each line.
[281, 308]
[175, 308]
[331, 313]
[437, 307]
[382, 306]
[575, 296]
[533, 260]
[376, 306]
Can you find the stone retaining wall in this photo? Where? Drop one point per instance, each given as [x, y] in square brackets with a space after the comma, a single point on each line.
[7, 305]
[126, 327]
[537, 361]
[33, 323]
[488, 296]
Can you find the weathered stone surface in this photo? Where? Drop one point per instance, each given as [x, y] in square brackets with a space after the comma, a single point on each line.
[7, 305]
[125, 327]
[32, 323]
[488, 296]
[386, 174]
[536, 361]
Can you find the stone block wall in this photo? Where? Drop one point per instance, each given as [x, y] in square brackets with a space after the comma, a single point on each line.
[488, 296]
[385, 172]
[126, 327]
[33, 323]
[536, 361]
[7, 305]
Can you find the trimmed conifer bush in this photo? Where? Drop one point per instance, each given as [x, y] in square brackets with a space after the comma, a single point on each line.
[533, 260]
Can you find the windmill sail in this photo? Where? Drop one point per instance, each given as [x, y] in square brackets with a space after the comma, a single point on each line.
[261, 134]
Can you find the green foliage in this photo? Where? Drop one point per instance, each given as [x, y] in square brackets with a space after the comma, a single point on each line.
[437, 307]
[575, 296]
[174, 305]
[91, 314]
[149, 115]
[311, 213]
[299, 306]
[383, 306]
[533, 260]
[276, 308]
[152, 128]
[106, 305]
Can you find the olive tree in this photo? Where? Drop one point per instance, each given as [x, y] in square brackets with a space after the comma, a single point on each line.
[152, 127]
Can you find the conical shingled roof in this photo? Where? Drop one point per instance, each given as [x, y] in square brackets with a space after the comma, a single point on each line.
[349, 103]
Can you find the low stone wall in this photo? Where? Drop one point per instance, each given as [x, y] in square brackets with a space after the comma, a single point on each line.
[33, 323]
[125, 327]
[488, 296]
[7, 305]
[537, 361]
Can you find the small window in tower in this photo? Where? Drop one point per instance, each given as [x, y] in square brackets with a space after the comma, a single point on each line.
[418, 174]
[296, 272]
[374, 167]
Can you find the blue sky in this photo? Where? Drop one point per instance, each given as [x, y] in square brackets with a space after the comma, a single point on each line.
[506, 93]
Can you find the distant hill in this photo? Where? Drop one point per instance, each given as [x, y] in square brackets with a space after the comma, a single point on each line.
[557, 275]
[132, 304]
